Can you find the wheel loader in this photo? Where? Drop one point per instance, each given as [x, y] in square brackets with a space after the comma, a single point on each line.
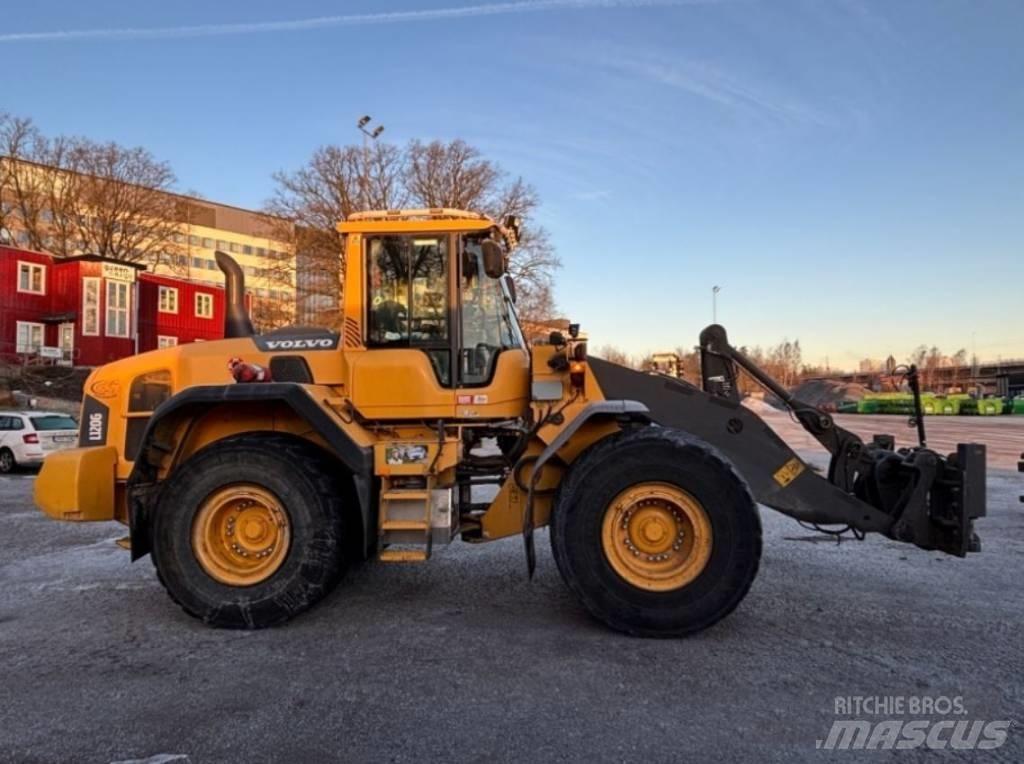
[253, 470]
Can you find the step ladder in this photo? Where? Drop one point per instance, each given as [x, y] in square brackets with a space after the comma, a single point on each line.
[404, 533]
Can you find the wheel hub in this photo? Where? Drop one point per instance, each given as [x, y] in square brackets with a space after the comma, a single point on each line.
[240, 535]
[656, 536]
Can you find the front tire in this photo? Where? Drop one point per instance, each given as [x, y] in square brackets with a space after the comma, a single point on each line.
[248, 532]
[655, 533]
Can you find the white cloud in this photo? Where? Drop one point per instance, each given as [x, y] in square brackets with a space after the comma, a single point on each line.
[325, 22]
[592, 196]
[721, 87]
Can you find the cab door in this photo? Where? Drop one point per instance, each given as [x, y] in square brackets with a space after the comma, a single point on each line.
[406, 370]
[492, 362]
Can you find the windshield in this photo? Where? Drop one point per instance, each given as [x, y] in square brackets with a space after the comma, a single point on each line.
[53, 422]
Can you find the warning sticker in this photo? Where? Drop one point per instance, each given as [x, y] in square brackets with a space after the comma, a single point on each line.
[789, 472]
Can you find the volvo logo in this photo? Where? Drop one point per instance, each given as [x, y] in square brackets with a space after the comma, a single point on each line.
[323, 343]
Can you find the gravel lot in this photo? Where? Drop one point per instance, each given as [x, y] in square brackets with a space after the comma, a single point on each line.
[464, 659]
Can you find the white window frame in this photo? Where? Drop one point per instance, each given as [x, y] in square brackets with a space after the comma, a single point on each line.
[22, 348]
[166, 341]
[32, 267]
[126, 309]
[172, 295]
[204, 297]
[86, 330]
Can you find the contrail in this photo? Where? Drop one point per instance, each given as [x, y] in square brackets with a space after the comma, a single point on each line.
[323, 22]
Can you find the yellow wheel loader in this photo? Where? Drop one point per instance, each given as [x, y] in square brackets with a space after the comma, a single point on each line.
[254, 469]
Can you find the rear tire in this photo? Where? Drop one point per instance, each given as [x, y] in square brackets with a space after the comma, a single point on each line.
[8, 463]
[201, 531]
[688, 586]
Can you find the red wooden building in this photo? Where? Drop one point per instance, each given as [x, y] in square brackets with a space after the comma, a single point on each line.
[89, 310]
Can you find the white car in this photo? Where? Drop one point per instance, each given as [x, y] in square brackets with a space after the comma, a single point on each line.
[26, 437]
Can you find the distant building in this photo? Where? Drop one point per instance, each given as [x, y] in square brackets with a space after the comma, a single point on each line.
[253, 238]
[88, 310]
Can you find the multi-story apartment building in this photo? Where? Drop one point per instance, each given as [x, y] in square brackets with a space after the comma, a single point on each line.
[250, 238]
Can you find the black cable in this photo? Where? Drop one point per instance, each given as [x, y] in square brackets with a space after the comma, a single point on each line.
[838, 534]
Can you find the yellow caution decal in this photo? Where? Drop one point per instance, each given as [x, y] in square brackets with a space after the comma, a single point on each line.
[789, 472]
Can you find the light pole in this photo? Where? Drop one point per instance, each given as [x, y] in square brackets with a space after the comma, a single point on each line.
[368, 135]
[714, 303]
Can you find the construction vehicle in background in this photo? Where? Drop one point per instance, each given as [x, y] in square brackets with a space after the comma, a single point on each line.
[255, 468]
[669, 364]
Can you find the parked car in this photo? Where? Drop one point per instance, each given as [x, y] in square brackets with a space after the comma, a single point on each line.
[26, 437]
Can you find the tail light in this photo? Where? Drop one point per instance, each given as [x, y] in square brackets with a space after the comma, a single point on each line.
[30, 438]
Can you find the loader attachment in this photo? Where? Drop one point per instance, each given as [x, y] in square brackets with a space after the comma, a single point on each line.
[913, 495]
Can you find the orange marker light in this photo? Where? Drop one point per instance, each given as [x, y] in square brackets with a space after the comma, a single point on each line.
[577, 373]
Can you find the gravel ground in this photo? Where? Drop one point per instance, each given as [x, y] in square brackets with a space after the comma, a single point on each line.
[464, 659]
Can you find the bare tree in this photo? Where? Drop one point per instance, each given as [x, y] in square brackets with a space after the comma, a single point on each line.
[451, 174]
[120, 202]
[309, 203]
[70, 195]
[614, 354]
[455, 174]
[958, 360]
[533, 263]
[340, 180]
[932, 363]
[23, 189]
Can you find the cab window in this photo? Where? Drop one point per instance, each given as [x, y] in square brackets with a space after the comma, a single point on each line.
[489, 324]
[408, 290]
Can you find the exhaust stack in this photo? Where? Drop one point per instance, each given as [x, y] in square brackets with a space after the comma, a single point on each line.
[236, 319]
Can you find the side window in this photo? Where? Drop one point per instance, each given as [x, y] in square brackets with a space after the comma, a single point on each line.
[408, 291]
[389, 291]
[5, 423]
[408, 297]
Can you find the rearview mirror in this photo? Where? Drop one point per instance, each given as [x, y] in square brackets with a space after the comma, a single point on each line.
[494, 259]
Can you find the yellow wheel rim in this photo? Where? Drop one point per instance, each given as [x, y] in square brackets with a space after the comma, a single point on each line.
[240, 536]
[656, 536]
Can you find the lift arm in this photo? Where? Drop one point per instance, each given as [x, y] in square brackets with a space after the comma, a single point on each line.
[912, 495]
[932, 499]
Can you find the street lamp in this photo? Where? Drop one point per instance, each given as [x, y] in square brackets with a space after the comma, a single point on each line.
[368, 135]
[714, 303]
[373, 134]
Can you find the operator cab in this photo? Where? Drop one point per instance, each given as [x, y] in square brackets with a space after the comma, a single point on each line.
[438, 313]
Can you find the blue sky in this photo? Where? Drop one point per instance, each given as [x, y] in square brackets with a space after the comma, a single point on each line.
[851, 173]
